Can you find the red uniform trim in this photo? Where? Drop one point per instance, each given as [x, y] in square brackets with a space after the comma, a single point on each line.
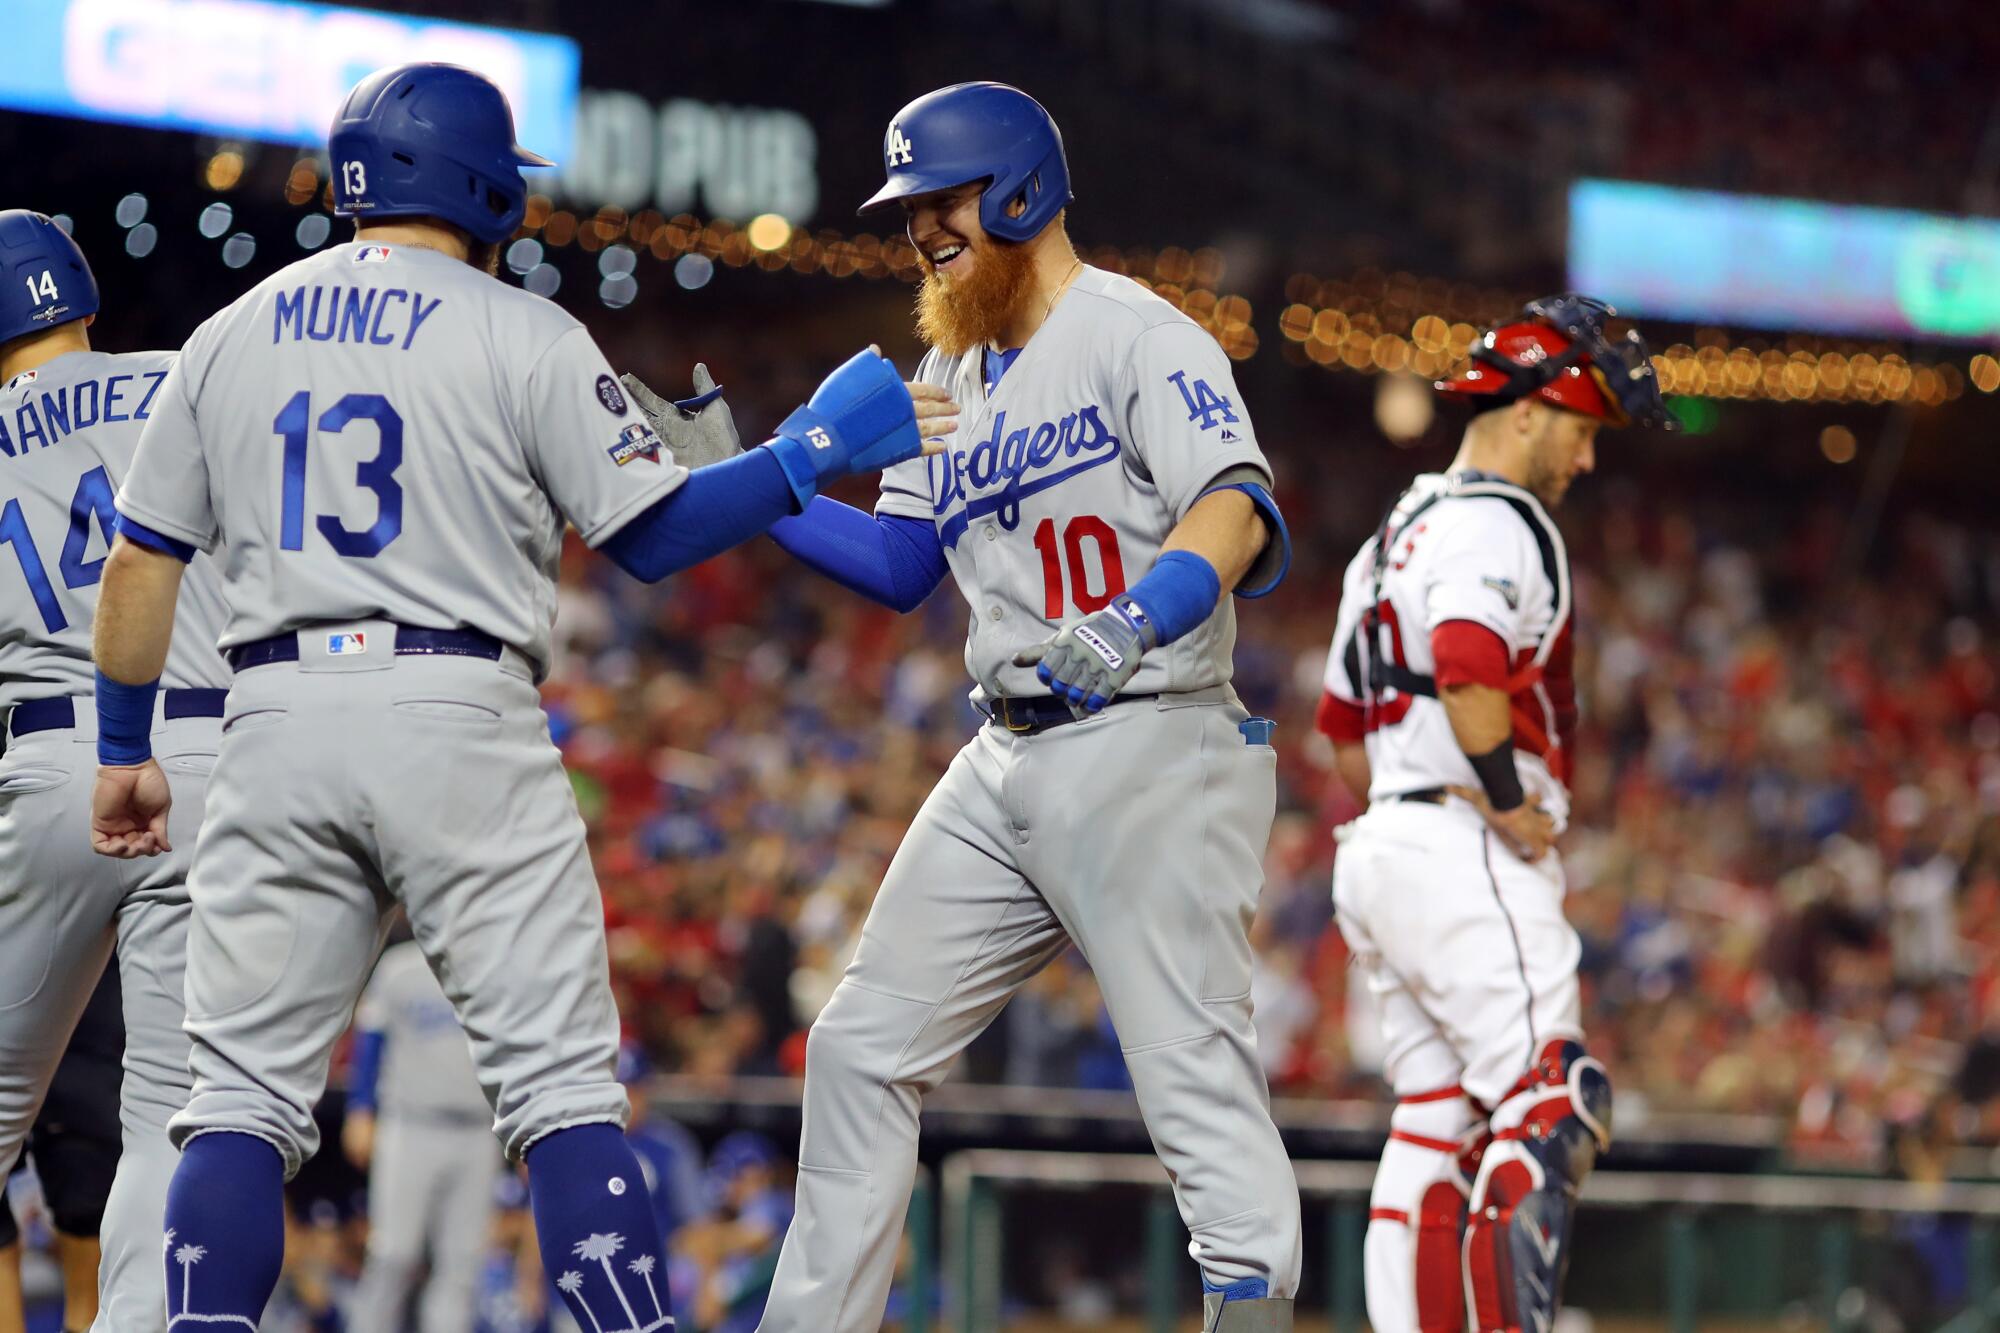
[1451, 1093]
[1469, 653]
[1448, 1146]
[1388, 1215]
[1346, 723]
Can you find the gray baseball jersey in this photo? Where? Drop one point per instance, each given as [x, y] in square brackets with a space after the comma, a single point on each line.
[386, 431]
[1058, 488]
[426, 1065]
[67, 431]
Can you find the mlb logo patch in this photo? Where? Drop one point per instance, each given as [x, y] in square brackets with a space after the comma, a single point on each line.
[636, 441]
[24, 378]
[371, 254]
[347, 644]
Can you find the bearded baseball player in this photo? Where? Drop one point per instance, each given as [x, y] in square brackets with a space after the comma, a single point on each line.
[1100, 492]
[1452, 707]
[386, 442]
[70, 419]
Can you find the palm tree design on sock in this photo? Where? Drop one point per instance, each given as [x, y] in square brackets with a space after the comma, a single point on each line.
[187, 1256]
[600, 1246]
[643, 1266]
[571, 1284]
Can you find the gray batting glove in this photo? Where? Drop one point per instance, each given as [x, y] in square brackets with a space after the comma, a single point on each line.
[1088, 661]
[698, 430]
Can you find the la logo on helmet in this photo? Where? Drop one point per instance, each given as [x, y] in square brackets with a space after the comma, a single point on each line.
[901, 151]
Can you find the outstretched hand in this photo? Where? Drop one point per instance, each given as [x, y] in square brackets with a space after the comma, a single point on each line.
[698, 430]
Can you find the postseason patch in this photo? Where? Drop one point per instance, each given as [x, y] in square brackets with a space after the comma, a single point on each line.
[611, 395]
[636, 441]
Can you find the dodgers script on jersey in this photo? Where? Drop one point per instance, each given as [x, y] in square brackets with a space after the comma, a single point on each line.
[1464, 548]
[67, 432]
[1057, 490]
[425, 430]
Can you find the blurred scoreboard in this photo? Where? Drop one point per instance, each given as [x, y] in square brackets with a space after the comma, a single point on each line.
[1705, 257]
[271, 70]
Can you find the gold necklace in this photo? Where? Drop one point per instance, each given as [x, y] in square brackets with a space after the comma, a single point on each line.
[1076, 266]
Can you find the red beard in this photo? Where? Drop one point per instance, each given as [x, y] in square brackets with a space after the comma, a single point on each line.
[956, 315]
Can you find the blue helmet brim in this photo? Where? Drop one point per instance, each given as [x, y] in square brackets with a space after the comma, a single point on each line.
[908, 187]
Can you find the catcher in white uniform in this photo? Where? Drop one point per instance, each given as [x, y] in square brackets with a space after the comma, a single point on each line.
[1451, 703]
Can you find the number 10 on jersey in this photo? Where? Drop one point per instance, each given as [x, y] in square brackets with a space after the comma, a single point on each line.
[1084, 527]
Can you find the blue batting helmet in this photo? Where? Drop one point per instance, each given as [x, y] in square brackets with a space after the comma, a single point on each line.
[44, 278]
[979, 131]
[431, 140]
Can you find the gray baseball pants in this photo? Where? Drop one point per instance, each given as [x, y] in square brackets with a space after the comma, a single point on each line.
[1139, 835]
[346, 784]
[62, 907]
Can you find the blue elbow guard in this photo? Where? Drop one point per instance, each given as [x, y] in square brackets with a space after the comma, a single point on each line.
[1271, 566]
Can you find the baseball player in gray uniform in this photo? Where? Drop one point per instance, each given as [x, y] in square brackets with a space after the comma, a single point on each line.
[386, 443]
[414, 1116]
[1100, 490]
[70, 419]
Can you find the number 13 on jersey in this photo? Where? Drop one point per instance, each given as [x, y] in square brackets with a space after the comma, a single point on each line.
[377, 474]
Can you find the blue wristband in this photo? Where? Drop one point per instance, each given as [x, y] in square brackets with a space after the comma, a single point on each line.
[1179, 592]
[124, 721]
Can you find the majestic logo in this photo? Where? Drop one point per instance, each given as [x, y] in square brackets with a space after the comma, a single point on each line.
[1205, 404]
[995, 475]
[1100, 645]
[347, 645]
[636, 441]
[371, 254]
[610, 395]
[900, 151]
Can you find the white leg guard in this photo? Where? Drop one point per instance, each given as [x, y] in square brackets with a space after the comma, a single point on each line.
[1416, 1214]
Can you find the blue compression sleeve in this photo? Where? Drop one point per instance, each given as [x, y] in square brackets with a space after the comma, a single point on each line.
[366, 1068]
[717, 507]
[1179, 592]
[124, 721]
[894, 561]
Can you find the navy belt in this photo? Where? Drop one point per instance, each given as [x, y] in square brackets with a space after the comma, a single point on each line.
[411, 641]
[59, 713]
[1423, 795]
[1029, 717]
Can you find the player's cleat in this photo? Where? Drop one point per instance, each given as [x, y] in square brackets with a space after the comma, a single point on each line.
[1245, 1314]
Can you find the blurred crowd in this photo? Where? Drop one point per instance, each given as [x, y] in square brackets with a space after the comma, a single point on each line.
[1782, 860]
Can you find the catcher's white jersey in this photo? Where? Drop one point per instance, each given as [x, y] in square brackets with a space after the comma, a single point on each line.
[67, 431]
[385, 431]
[1058, 489]
[1460, 547]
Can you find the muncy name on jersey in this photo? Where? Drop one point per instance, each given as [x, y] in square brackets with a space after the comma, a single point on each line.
[47, 417]
[1023, 462]
[383, 317]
